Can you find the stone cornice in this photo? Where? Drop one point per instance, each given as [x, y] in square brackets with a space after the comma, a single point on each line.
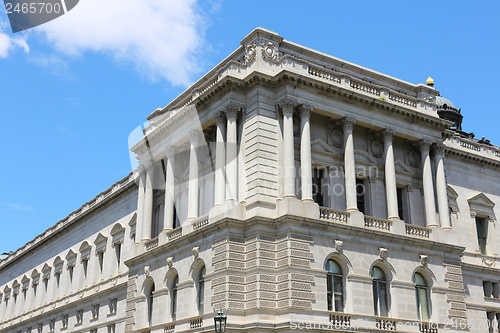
[265, 57]
[472, 150]
[89, 207]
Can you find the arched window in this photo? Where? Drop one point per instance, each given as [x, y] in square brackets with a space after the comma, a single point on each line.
[149, 290]
[335, 290]
[421, 296]
[173, 308]
[201, 290]
[380, 304]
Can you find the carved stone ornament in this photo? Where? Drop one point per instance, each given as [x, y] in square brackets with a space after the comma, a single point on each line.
[423, 259]
[270, 52]
[147, 270]
[438, 148]
[196, 252]
[473, 214]
[250, 53]
[382, 253]
[232, 110]
[170, 262]
[336, 137]
[425, 145]
[339, 245]
[430, 99]
[488, 261]
[287, 105]
[305, 110]
[348, 123]
[377, 148]
[388, 134]
[414, 158]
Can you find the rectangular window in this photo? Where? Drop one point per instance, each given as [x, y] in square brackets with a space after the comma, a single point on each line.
[52, 325]
[495, 289]
[491, 321]
[70, 271]
[112, 305]
[79, 317]
[482, 234]
[403, 209]
[317, 186]
[85, 265]
[118, 251]
[487, 288]
[100, 256]
[65, 321]
[111, 328]
[361, 195]
[95, 312]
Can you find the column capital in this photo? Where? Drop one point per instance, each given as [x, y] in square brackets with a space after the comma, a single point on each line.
[287, 105]
[438, 148]
[195, 135]
[425, 145]
[305, 110]
[388, 134]
[348, 123]
[220, 118]
[232, 110]
[170, 151]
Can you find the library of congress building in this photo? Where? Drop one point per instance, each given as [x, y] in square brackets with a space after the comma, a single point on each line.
[294, 191]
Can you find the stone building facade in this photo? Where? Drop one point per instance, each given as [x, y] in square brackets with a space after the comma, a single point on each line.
[295, 189]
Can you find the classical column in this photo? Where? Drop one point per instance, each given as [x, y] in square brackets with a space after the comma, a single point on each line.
[287, 106]
[232, 152]
[441, 189]
[305, 153]
[349, 164]
[148, 204]
[140, 207]
[169, 187]
[390, 175]
[430, 207]
[220, 160]
[195, 138]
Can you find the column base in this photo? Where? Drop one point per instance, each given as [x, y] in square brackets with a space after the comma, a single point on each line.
[294, 206]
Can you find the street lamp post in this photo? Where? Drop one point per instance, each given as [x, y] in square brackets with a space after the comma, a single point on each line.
[220, 319]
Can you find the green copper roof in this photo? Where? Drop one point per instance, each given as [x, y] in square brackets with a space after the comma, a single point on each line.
[440, 101]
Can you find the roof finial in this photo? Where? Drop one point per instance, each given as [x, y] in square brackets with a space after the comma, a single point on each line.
[430, 81]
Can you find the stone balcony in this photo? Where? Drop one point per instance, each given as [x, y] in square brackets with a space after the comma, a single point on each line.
[311, 211]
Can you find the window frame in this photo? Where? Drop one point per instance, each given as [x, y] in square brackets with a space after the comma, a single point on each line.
[380, 293]
[335, 287]
[418, 292]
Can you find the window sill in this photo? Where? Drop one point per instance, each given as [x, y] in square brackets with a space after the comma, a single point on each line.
[111, 314]
[94, 319]
[78, 324]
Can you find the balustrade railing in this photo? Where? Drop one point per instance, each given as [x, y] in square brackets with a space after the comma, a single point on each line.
[428, 327]
[363, 86]
[403, 99]
[386, 324]
[200, 222]
[417, 231]
[176, 233]
[169, 328]
[152, 243]
[377, 223]
[333, 215]
[324, 74]
[196, 322]
[470, 145]
[340, 320]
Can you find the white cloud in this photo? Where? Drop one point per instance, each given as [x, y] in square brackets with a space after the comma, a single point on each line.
[15, 206]
[8, 44]
[160, 38]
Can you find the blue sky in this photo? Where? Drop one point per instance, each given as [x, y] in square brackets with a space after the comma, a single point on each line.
[73, 90]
